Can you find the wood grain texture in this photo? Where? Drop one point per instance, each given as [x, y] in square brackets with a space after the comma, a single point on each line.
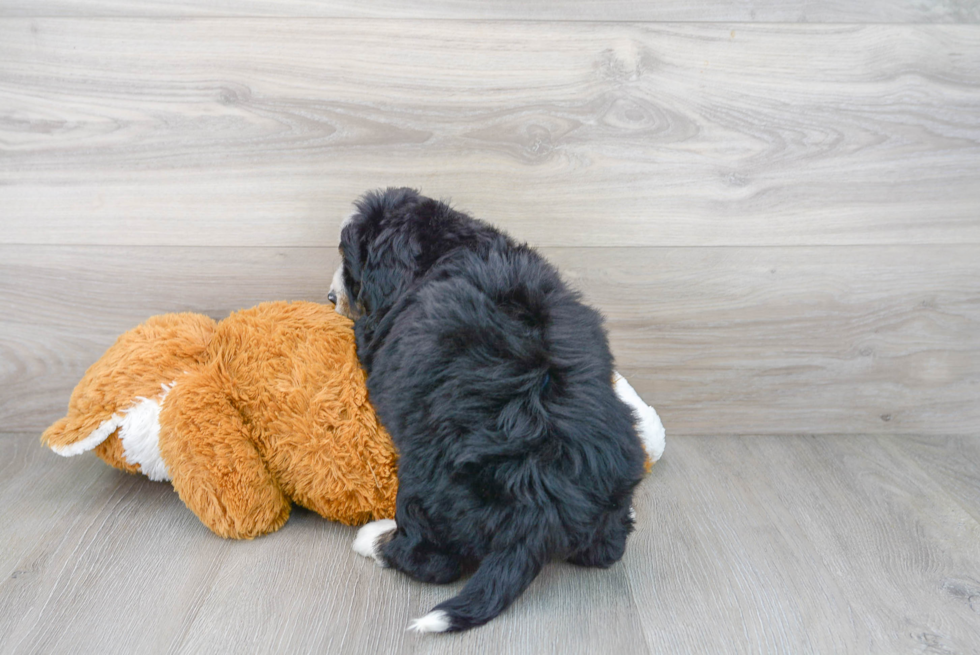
[744, 545]
[719, 340]
[794, 11]
[95, 554]
[794, 340]
[802, 545]
[261, 132]
[954, 463]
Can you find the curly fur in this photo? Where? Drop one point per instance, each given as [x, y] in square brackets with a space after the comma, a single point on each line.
[494, 380]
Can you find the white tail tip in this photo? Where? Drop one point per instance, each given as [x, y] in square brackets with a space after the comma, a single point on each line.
[437, 621]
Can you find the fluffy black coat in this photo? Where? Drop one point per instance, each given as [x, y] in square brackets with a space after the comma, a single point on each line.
[494, 380]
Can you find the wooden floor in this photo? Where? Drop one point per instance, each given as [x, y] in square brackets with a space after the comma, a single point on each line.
[744, 545]
[775, 204]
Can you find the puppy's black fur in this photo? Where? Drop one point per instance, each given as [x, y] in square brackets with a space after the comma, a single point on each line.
[494, 381]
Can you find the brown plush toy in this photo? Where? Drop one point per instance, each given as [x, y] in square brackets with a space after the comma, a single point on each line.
[245, 416]
[248, 415]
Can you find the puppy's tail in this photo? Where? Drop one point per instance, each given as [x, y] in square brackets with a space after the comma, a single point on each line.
[501, 577]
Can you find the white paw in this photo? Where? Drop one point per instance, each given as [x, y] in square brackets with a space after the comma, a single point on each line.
[366, 541]
[437, 621]
[632, 515]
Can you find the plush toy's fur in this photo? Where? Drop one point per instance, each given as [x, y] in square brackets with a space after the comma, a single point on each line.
[245, 416]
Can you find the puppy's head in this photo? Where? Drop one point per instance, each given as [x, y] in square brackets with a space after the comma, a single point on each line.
[377, 259]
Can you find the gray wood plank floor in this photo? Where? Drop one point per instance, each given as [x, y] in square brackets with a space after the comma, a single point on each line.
[745, 545]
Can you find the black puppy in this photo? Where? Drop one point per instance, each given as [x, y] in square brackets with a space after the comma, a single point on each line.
[494, 381]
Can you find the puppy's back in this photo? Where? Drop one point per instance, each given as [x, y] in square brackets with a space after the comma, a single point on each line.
[496, 361]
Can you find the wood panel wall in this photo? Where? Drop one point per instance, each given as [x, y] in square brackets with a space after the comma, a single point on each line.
[777, 205]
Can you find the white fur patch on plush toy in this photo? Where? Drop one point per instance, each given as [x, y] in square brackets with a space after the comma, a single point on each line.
[98, 435]
[648, 424]
[140, 436]
[139, 432]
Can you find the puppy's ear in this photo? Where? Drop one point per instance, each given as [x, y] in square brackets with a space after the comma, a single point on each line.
[351, 257]
[379, 249]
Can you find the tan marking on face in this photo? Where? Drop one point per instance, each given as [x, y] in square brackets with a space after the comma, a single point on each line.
[337, 288]
[344, 306]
